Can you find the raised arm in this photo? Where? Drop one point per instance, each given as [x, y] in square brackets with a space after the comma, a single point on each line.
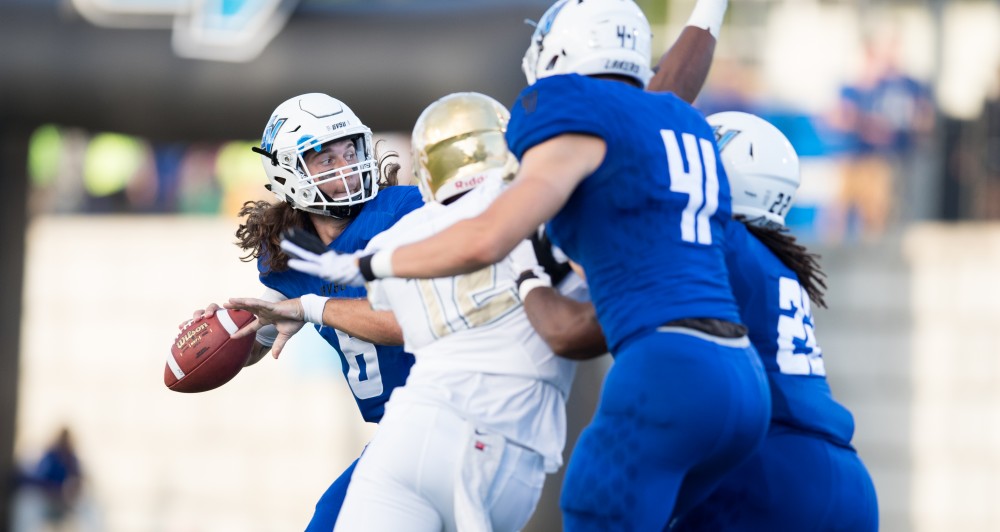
[684, 68]
[548, 175]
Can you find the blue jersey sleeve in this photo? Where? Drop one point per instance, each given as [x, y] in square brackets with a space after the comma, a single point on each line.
[552, 107]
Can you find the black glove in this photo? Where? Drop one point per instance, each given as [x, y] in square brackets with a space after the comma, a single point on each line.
[546, 259]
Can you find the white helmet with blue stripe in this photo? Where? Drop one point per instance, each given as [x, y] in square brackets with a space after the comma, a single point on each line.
[591, 37]
[307, 122]
[761, 163]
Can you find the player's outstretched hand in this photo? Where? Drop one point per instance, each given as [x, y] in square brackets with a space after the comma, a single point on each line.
[285, 315]
[309, 258]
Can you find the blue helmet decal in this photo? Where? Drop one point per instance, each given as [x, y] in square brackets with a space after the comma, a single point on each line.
[545, 25]
[267, 141]
[306, 142]
[722, 138]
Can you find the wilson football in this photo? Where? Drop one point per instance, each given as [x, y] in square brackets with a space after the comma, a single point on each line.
[203, 356]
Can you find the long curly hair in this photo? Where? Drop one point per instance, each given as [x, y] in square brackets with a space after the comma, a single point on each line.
[793, 255]
[259, 236]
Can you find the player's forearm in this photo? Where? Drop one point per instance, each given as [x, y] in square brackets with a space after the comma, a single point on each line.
[684, 68]
[569, 327]
[356, 318]
[464, 247]
[549, 173]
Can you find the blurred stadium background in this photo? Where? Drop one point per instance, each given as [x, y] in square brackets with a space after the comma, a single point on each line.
[125, 128]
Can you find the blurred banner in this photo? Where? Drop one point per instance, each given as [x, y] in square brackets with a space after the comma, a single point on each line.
[218, 30]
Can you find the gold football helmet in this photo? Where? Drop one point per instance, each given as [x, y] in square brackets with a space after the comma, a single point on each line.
[458, 142]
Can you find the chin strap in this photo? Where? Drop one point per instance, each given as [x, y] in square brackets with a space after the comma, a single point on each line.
[345, 212]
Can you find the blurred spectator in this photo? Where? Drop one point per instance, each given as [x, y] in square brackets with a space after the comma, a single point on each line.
[167, 159]
[988, 199]
[882, 118]
[199, 191]
[49, 493]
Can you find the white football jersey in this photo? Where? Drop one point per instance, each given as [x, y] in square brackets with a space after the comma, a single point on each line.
[475, 349]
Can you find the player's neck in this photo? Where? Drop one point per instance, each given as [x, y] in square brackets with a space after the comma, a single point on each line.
[328, 228]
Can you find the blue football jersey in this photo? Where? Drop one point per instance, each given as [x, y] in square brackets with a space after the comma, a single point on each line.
[372, 371]
[648, 223]
[777, 310]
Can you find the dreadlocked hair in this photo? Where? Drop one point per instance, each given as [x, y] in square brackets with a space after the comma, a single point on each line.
[793, 255]
[260, 233]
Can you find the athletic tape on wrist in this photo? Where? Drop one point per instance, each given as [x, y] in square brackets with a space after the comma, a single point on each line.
[312, 308]
[708, 15]
[526, 284]
[381, 264]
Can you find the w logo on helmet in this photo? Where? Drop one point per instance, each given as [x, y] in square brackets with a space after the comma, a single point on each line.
[270, 132]
[722, 138]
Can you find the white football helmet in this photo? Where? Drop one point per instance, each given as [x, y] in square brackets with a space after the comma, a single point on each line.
[307, 122]
[590, 37]
[458, 142]
[761, 163]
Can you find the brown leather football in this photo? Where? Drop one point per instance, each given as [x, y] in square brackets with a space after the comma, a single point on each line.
[203, 356]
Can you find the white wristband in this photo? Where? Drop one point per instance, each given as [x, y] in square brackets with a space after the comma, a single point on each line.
[382, 264]
[528, 285]
[708, 15]
[312, 308]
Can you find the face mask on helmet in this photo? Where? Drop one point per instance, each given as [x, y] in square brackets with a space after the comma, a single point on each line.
[590, 38]
[319, 157]
[761, 164]
[458, 143]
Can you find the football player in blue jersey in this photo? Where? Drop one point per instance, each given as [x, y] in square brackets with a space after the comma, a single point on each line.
[323, 166]
[366, 336]
[806, 476]
[605, 163]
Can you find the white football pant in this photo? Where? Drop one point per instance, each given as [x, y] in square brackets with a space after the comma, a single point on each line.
[427, 470]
